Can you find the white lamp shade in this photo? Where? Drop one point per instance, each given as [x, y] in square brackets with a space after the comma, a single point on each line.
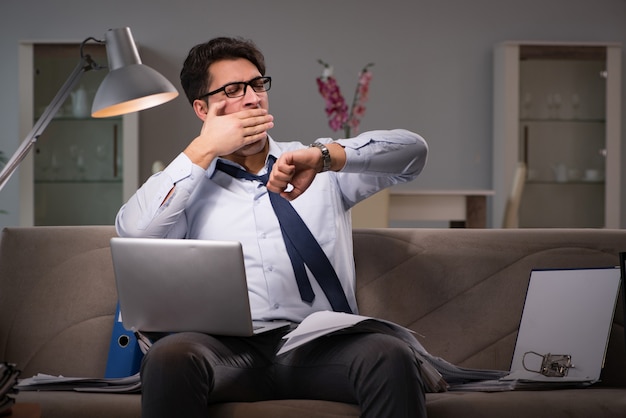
[130, 86]
[129, 89]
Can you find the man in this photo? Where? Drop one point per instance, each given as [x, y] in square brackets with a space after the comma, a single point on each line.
[203, 194]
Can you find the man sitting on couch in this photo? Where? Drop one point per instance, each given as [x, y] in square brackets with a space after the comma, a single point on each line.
[226, 185]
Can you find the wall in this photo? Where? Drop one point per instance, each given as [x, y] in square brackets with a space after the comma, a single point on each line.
[433, 64]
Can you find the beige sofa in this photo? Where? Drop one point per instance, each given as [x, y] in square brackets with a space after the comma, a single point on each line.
[463, 290]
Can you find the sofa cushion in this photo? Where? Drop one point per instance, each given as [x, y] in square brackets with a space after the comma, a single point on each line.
[575, 403]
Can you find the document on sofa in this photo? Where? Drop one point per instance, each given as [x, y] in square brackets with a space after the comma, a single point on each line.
[41, 381]
[504, 385]
[437, 372]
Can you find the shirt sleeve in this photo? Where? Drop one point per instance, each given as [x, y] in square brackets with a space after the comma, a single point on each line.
[147, 214]
[379, 159]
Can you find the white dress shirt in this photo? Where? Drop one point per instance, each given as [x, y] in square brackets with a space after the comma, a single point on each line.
[210, 204]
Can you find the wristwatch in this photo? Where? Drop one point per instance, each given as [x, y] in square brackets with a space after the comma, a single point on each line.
[325, 155]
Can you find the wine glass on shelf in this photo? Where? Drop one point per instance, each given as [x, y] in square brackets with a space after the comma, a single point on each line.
[549, 106]
[527, 105]
[54, 166]
[80, 164]
[575, 106]
[556, 102]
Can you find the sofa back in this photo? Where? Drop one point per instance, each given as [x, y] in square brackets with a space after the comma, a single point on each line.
[461, 290]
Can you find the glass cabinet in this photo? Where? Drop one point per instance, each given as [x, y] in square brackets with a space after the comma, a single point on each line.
[78, 172]
[81, 169]
[556, 109]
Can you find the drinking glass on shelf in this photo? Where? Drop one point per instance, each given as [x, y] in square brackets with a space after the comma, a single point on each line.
[527, 105]
[54, 166]
[80, 164]
[575, 106]
[556, 101]
[549, 106]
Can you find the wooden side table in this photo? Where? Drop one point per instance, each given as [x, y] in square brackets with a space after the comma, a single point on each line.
[467, 208]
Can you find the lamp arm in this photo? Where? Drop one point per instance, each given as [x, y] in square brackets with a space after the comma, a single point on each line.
[85, 64]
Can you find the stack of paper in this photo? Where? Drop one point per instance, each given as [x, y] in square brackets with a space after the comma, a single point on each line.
[436, 372]
[8, 381]
[523, 381]
[131, 384]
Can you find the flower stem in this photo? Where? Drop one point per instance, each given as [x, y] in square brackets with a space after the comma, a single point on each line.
[346, 126]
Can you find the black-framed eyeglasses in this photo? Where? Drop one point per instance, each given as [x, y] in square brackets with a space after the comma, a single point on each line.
[238, 89]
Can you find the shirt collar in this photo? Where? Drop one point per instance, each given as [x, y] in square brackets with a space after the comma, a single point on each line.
[273, 150]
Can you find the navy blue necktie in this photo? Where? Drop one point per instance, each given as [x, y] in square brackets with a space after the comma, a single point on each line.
[302, 247]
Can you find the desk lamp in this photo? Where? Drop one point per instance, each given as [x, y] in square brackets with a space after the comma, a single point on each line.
[129, 86]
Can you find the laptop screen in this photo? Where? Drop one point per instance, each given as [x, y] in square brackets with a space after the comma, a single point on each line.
[622, 266]
[567, 314]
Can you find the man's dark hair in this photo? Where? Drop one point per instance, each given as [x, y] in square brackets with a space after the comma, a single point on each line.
[194, 76]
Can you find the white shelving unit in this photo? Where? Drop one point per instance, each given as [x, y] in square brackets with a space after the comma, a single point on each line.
[557, 108]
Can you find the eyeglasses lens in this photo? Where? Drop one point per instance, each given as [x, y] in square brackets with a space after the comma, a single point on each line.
[259, 85]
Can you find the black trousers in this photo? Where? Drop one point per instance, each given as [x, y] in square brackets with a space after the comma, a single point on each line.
[183, 373]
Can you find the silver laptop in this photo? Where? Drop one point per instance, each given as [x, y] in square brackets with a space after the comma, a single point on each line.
[175, 285]
[565, 325]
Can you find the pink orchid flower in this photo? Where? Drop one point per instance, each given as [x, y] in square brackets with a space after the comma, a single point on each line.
[336, 108]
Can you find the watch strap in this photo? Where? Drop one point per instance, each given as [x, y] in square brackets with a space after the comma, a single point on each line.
[325, 155]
